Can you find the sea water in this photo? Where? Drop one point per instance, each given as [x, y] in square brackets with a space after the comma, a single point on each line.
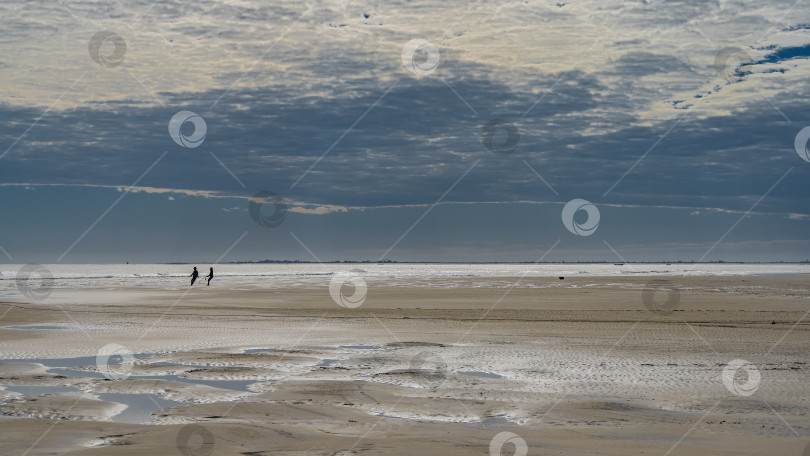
[278, 275]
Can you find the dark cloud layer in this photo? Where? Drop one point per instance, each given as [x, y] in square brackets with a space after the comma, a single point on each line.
[416, 142]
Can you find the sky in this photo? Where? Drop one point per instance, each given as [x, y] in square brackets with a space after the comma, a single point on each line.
[423, 130]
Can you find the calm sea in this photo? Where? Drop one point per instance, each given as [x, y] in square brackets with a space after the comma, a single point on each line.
[405, 274]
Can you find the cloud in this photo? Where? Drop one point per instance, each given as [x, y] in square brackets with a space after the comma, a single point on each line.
[415, 143]
[320, 210]
[616, 102]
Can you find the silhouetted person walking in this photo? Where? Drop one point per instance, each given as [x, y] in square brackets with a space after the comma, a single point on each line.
[210, 276]
[194, 275]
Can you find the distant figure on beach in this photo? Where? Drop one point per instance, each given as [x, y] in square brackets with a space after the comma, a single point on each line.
[194, 275]
[210, 276]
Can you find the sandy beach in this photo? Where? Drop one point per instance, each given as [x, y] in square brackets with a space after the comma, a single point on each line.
[576, 366]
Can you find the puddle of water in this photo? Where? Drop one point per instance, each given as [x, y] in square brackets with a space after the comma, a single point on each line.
[65, 362]
[64, 366]
[235, 385]
[497, 420]
[360, 347]
[480, 374]
[327, 362]
[139, 406]
[39, 327]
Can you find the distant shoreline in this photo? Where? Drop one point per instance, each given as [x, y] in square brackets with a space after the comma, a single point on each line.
[492, 262]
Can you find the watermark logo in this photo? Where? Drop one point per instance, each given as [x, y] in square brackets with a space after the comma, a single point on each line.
[729, 61]
[420, 57]
[195, 440]
[34, 281]
[733, 379]
[348, 280]
[589, 225]
[259, 200]
[668, 297]
[99, 52]
[800, 143]
[500, 136]
[114, 361]
[195, 138]
[429, 368]
[502, 438]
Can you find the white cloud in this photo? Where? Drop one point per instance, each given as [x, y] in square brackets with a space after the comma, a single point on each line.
[319, 48]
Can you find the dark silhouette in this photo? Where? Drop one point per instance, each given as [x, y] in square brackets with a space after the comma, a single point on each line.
[210, 276]
[194, 275]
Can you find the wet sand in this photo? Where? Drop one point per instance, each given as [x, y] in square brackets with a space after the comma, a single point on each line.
[574, 366]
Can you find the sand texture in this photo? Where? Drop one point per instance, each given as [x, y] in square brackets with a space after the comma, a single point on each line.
[575, 366]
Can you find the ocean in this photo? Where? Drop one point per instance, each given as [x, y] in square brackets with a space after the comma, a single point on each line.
[77, 276]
